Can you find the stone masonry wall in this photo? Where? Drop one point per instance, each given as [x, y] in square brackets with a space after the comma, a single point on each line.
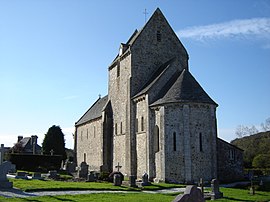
[89, 144]
[201, 141]
[120, 100]
[230, 162]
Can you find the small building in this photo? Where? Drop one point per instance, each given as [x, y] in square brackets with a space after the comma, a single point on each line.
[27, 145]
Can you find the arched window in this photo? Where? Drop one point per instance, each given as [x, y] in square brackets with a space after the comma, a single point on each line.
[136, 126]
[174, 141]
[200, 142]
[142, 124]
[156, 139]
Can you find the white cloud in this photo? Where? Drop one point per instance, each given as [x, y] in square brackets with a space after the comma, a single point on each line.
[255, 27]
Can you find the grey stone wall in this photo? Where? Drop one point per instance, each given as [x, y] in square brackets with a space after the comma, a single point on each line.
[192, 156]
[89, 144]
[230, 162]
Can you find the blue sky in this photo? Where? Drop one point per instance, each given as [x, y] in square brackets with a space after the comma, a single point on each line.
[54, 56]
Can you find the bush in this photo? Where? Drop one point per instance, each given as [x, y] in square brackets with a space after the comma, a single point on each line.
[35, 163]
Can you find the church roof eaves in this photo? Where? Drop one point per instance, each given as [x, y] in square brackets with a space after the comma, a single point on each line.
[185, 90]
[94, 112]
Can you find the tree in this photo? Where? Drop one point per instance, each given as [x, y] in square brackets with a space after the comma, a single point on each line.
[54, 141]
[242, 131]
[261, 161]
[266, 126]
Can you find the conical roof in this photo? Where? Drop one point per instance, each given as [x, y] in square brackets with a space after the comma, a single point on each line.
[185, 89]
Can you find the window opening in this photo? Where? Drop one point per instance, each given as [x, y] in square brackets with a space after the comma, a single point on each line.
[142, 124]
[174, 141]
[201, 149]
[156, 139]
[158, 36]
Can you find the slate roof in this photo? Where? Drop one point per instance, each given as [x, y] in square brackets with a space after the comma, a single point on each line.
[184, 89]
[95, 111]
[156, 75]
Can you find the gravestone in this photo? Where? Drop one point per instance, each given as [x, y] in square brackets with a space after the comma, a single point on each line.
[21, 175]
[37, 176]
[215, 193]
[117, 180]
[145, 180]
[201, 186]
[191, 194]
[4, 168]
[53, 174]
[70, 167]
[132, 181]
[91, 177]
[83, 170]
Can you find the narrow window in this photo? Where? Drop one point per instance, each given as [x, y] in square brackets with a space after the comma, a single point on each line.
[118, 69]
[142, 124]
[156, 139]
[158, 36]
[121, 128]
[174, 141]
[136, 125]
[116, 129]
[200, 139]
[87, 133]
[81, 135]
[84, 157]
[94, 131]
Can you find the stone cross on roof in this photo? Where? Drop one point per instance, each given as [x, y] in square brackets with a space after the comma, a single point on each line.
[118, 167]
[2, 151]
[145, 14]
[52, 152]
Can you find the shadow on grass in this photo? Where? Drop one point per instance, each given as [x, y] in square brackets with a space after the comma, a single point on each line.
[234, 199]
[60, 199]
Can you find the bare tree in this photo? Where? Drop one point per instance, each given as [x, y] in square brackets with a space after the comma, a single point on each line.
[266, 125]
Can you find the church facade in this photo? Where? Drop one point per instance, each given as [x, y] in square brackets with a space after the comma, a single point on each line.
[156, 117]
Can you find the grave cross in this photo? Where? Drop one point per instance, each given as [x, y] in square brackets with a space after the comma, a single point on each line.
[118, 167]
[52, 152]
[2, 151]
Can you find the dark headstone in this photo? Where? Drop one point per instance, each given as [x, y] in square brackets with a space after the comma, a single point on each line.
[215, 193]
[145, 180]
[91, 177]
[53, 174]
[191, 194]
[117, 180]
[4, 168]
[83, 170]
[132, 181]
[21, 175]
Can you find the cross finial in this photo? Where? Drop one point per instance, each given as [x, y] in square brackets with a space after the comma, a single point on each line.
[99, 95]
[118, 167]
[145, 14]
[52, 152]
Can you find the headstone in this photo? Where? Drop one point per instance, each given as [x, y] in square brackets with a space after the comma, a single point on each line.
[132, 181]
[70, 167]
[21, 175]
[215, 193]
[37, 176]
[4, 168]
[83, 170]
[145, 180]
[91, 177]
[117, 180]
[191, 194]
[53, 174]
[51, 152]
[2, 152]
[201, 186]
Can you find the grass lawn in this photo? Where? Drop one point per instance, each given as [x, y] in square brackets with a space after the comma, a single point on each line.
[230, 194]
[39, 185]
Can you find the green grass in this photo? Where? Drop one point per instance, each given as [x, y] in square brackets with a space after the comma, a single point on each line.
[230, 194]
[132, 197]
[40, 185]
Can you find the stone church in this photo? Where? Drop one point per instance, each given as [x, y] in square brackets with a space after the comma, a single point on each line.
[156, 117]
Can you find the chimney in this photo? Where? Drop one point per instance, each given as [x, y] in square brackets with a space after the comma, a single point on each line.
[20, 138]
[34, 143]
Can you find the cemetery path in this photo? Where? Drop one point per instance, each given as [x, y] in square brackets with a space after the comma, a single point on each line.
[9, 193]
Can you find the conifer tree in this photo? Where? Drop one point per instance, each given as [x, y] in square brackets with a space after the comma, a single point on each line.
[54, 141]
